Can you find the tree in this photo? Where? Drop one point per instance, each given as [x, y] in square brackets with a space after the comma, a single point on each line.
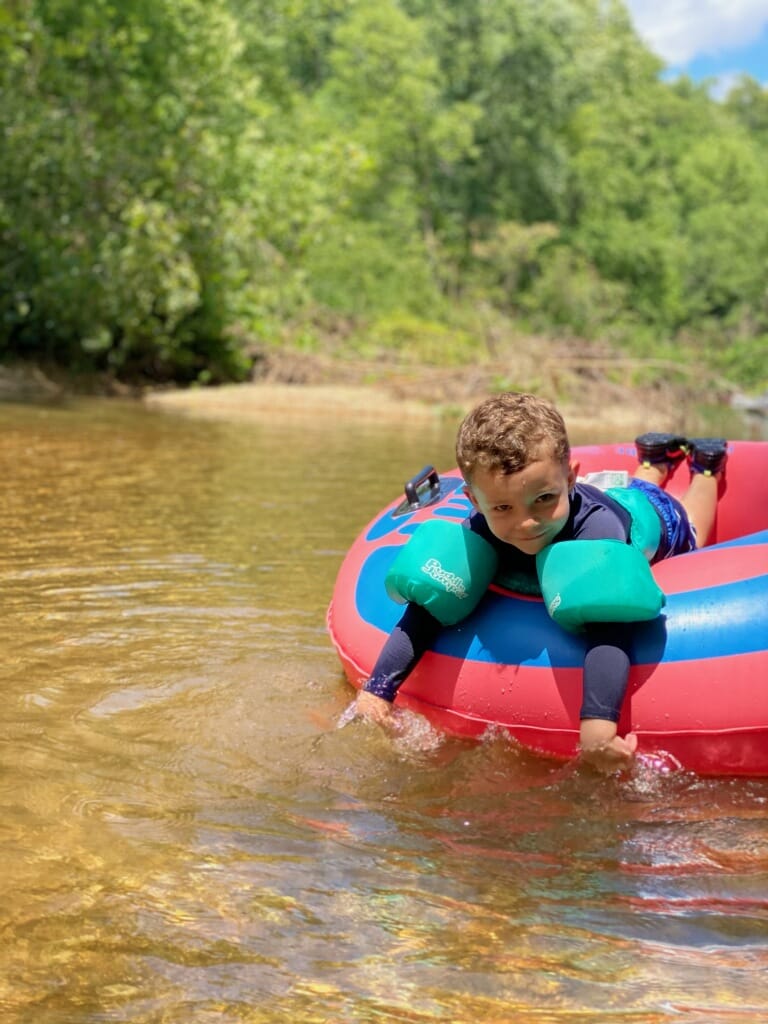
[129, 129]
[747, 101]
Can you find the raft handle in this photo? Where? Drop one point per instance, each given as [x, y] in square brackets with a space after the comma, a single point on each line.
[416, 486]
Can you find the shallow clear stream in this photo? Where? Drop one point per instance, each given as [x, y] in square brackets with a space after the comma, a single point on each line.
[185, 835]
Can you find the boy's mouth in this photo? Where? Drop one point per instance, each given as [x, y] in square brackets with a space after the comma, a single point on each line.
[530, 540]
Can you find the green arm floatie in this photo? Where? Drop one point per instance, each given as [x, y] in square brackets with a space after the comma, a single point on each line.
[444, 567]
[585, 581]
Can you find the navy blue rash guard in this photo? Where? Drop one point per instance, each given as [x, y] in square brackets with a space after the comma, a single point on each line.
[593, 516]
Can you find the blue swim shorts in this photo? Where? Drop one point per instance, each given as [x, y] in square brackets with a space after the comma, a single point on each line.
[677, 534]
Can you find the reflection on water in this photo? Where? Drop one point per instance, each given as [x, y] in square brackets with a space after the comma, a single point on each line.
[187, 835]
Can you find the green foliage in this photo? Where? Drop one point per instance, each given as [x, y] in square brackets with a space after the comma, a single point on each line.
[184, 180]
[570, 294]
[420, 340]
[510, 259]
[748, 102]
[743, 361]
[357, 268]
[126, 126]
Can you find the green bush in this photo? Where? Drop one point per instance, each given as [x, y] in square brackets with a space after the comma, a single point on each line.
[743, 362]
[362, 269]
[412, 339]
[571, 294]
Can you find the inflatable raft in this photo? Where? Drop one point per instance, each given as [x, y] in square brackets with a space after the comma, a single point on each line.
[698, 688]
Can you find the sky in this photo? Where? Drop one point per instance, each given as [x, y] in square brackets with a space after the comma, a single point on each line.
[717, 39]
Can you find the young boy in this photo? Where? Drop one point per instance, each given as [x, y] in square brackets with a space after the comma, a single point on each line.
[514, 454]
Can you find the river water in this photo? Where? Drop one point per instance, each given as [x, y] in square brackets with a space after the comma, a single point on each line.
[188, 837]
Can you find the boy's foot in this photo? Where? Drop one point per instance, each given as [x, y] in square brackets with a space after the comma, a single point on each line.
[657, 449]
[708, 455]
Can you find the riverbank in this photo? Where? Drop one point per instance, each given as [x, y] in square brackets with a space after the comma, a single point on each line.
[595, 392]
[598, 392]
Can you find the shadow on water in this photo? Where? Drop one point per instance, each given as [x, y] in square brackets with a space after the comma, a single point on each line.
[187, 834]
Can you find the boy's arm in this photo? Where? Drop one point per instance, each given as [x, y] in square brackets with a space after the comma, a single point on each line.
[402, 650]
[602, 747]
[606, 673]
[374, 708]
[606, 665]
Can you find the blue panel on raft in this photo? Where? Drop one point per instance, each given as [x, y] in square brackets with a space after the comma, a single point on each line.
[750, 540]
[715, 622]
[457, 507]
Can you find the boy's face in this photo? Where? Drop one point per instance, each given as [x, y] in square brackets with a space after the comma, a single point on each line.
[527, 509]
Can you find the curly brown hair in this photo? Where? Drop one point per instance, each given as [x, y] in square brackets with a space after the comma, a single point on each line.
[507, 432]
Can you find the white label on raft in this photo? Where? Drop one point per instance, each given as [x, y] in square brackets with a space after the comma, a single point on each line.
[453, 584]
[606, 478]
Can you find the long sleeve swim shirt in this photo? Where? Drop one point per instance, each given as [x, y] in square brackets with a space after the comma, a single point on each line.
[593, 516]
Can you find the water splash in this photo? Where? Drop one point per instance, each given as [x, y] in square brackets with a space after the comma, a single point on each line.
[411, 733]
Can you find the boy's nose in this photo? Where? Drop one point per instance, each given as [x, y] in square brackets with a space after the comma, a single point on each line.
[526, 524]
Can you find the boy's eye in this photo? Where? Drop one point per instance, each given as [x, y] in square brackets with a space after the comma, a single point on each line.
[544, 498]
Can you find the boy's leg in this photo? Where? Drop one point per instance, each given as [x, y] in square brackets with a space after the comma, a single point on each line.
[652, 474]
[700, 503]
[657, 453]
[707, 457]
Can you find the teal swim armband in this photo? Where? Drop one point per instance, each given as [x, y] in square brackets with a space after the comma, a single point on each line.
[585, 581]
[645, 532]
[445, 568]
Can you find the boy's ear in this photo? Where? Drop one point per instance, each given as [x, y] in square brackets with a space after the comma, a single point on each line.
[468, 491]
[573, 472]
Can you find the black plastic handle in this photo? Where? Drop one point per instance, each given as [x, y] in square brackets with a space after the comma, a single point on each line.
[428, 475]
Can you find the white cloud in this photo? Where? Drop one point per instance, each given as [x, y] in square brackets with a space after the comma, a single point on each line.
[723, 84]
[678, 30]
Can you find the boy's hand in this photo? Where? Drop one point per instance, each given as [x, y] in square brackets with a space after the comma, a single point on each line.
[602, 747]
[374, 708]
